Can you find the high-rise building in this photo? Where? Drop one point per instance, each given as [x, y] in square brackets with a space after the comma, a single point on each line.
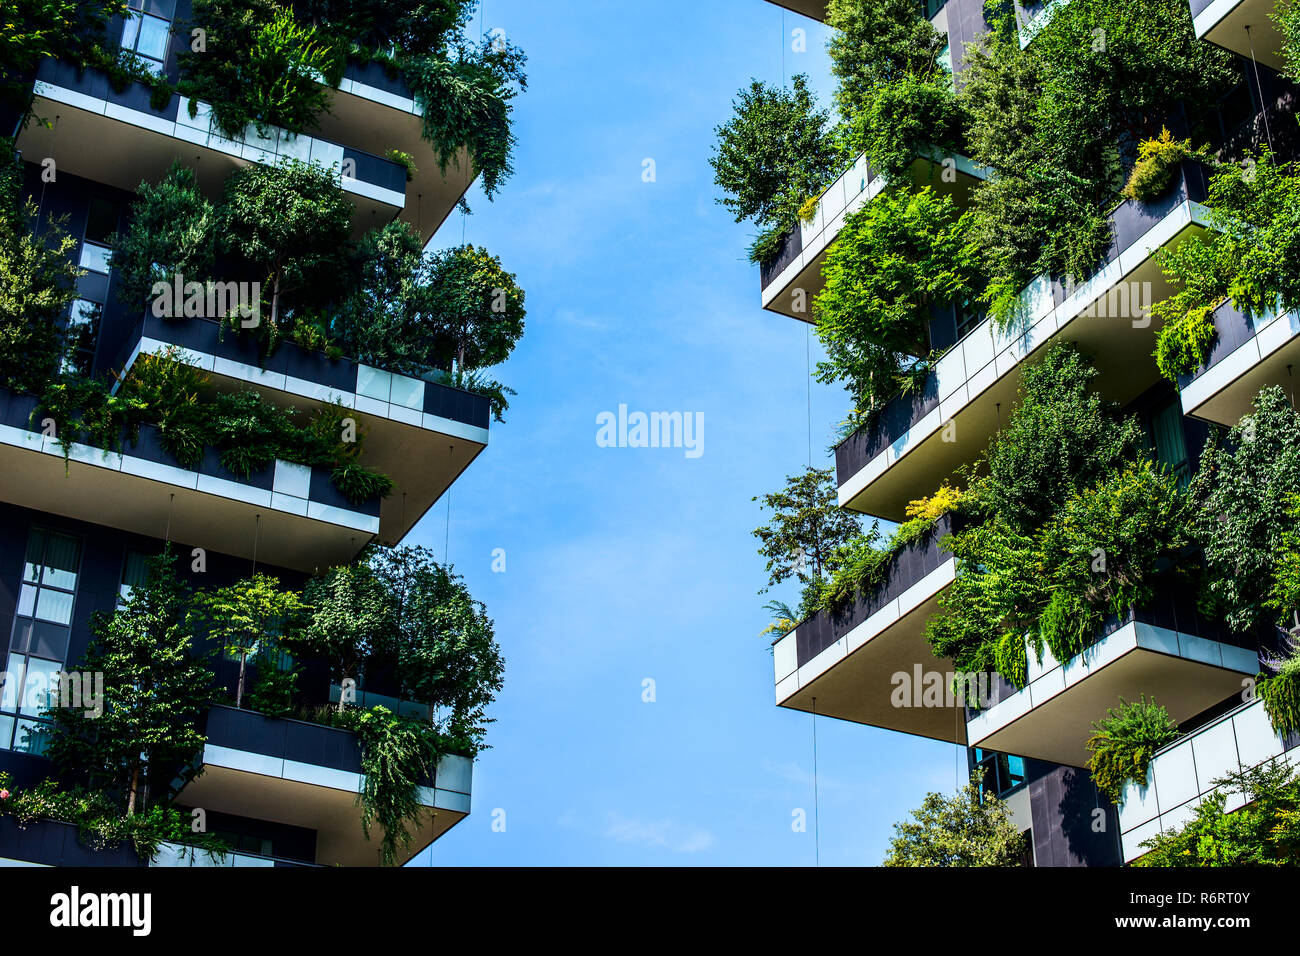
[80, 517]
[868, 660]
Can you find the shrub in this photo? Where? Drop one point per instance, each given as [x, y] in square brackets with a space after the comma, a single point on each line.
[966, 829]
[359, 484]
[1157, 160]
[1280, 689]
[1124, 741]
[405, 160]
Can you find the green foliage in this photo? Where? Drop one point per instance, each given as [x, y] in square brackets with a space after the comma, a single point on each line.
[446, 650]
[37, 285]
[967, 829]
[770, 157]
[275, 689]
[895, 96]
[1157, 160]
[83, 411]
[360, 484]
[1123, 743]
[247, 617]
[1287, 17]
[155, 692]
[292, 222]
[480, 384]
[807, 532]
[895, 257]
[1281, 695]
[465, 100]
[351, 622]
[172, 232]
[1057, 119]
[260, 66]
[1265, 832]
[1060, 438]
[1249, 483]
[480, 309]
[1284, 597]
[1255, 210]
[405, 160]
[73, 30]
[100, 821]
[398, 757]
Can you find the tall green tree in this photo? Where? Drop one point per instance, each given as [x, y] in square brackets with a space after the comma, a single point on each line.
[352, 620]
[172, 231]
[250, 617]
[773, 155]
[291, 221]
[446, 651]
[1248, 483]
[806, 531]
[966, 829]
[156, 690]
[480, 305]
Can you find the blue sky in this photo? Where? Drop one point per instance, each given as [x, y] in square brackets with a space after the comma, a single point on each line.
[628, 564]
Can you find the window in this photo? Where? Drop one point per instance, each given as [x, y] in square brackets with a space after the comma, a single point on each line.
[82, 336]
[101, 229]
[1002, 772]
[1165, 435]
[969, 315]
[39, 643]
[135, 572]
[146, 36]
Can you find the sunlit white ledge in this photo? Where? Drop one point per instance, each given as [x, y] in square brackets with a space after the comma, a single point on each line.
[277, 146]
[1224, 391]
[987, 355]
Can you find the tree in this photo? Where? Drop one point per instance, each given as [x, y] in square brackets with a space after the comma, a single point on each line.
[172, 232]
[1248, 483]
[37, 285]
[446, 651]
[156, 690]
[480, 305]
[352, 620]
[807, 530]
[895, 96]
[260, 65]
[291, 221]
[248, 617]
[968, 829]
[387, 317]
[1060, 439]
[897, 256]
[771, 157]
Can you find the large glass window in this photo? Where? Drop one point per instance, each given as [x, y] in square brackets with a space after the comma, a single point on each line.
[101, 229]
[146, 36]
[82, 335]
[1002, 772]
[1165, 433]
[38, 647]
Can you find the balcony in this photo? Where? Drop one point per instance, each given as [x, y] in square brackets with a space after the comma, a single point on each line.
[1241, 26]
[54, 843]
[850, 662]
[1249, 353]
[308, 775]
[120, 139]
[1181, 774]
[1167, 651]
[421, 434]
[289, 515]
[816, 9]
[793, 278]
[973, 386]
[376, 112]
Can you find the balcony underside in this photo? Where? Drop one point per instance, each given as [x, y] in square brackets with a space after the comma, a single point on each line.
[376, 128]
[1225, 23]
[876, 674]
[113, 151]
[816, 9]
[958, 429]
[1223, 393]
[98, 488]
[329, 810]
[1051, 719]
[423, 460]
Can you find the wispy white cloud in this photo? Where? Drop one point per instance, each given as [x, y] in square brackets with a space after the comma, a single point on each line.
[667, 833]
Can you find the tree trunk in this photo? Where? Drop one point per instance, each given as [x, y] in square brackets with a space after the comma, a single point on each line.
[135, 784]
[239, 690]
[275, 298]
